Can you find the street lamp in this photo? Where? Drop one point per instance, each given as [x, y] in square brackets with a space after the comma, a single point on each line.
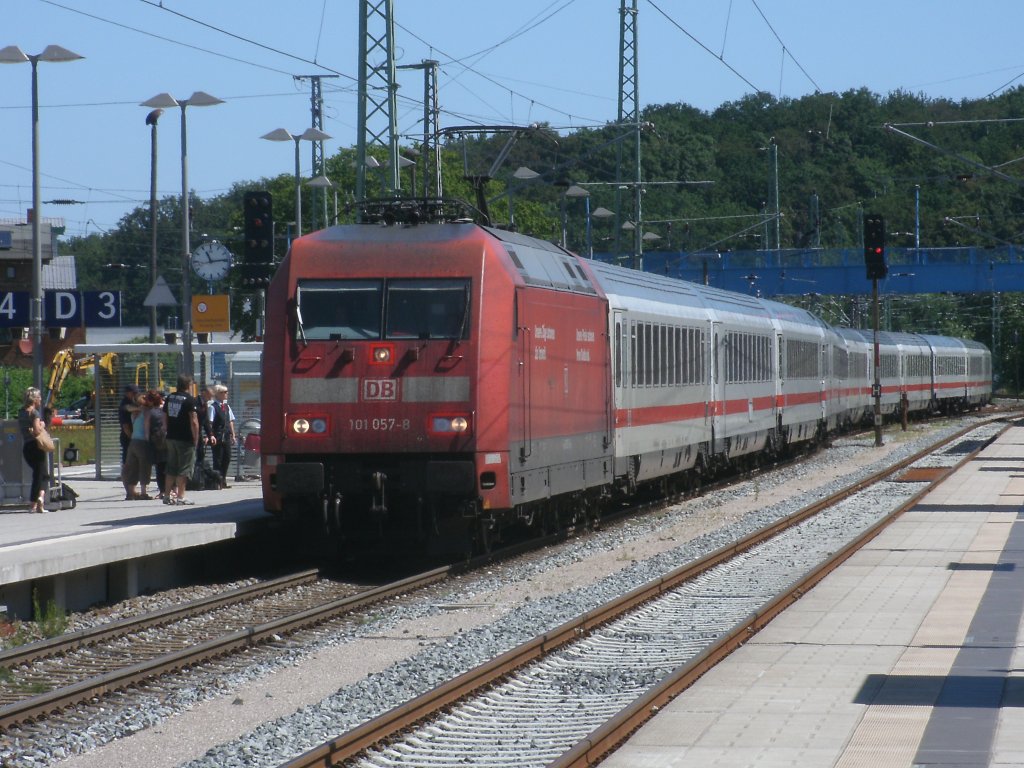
[322, 182]
[165, 101]
[577, 191]
[310, 134]
[773, 147]
[522, 173]
[151, 120]
[598, 213]
[12, 54]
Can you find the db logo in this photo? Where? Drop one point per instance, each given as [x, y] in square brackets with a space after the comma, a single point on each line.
[380, 389]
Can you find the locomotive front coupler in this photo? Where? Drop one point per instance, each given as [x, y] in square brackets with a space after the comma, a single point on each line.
[378, 502]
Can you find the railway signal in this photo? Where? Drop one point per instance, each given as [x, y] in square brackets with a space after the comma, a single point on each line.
[874, 247]
[255, 275]
[259, 228]
[874, 260]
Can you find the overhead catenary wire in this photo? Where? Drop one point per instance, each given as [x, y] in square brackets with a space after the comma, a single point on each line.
[162, 37]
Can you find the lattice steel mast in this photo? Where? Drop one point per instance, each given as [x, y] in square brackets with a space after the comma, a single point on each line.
[377, 113]
[629, 115]
[430, 153]
[316, 107]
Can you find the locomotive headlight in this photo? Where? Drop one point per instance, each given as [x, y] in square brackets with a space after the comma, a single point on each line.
[449, 424]
[382, 354]
[309, 425]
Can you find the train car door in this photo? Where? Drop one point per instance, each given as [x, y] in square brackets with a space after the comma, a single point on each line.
[779, 373]
[825, 374]
[524, 346]
[621, 367]
[717, 392]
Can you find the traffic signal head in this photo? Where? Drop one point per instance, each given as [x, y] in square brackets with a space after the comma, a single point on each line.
[255, 275]
[259, 228]
[874, 247]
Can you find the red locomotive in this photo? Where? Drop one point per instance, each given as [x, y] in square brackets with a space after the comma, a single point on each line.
[429, 381]
[437, 381]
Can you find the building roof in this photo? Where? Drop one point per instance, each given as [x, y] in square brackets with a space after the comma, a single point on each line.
[60, 274]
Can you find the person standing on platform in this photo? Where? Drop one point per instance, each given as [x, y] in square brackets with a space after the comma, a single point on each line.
[182, 437]
[125, 413]
[222, 422]
[206, 438]
[138, 462]
[30, 423]
[158, 438]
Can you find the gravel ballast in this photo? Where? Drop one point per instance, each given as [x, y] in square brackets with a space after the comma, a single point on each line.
[269, 704]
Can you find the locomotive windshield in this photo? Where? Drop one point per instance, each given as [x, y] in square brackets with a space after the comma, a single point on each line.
[427, 309]
[340, 309]
[392, 309]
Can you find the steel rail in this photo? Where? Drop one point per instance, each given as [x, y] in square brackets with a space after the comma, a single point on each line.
[393, 722]
[602, 741]
[55, 646]
[53, 701]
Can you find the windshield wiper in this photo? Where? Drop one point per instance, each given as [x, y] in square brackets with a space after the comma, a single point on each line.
[298, 322]
[465, 316]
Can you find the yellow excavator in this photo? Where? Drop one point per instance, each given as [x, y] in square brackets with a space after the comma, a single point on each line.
[65, 362]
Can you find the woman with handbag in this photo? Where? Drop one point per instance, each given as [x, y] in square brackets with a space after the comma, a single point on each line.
[35, 441]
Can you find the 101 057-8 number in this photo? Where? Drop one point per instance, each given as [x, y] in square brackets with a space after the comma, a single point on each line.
[378, 425]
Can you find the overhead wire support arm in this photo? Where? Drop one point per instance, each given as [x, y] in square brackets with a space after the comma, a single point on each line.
[479, 181]
[977, 231]
[949, 153]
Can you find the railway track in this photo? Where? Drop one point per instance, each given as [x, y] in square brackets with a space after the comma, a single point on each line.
[568, 696]
[44, 678]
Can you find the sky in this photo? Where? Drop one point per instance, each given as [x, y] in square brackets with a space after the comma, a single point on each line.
[553, 61]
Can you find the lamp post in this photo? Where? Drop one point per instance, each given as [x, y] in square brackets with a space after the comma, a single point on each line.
[577, 191]
[917, 220]
[310, 134]
[773, 147]
[322, 182]
[775, 165]
[151, 120]
[164, 101]
[12, 54]
[522, 173]
[598, 213]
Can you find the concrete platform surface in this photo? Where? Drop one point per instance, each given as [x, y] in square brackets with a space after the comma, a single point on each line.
[103, 530]
[909, 654]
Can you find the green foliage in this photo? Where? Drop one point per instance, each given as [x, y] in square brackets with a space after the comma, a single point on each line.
[51, 622]
[12, 395]
[75, 388]
[708, 178]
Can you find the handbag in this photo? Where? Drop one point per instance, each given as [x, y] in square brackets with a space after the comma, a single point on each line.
[44, 441]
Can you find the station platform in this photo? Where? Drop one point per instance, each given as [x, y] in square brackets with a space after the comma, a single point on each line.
[105, 548]
[909, 654]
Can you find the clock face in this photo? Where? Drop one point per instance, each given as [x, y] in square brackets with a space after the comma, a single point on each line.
[211, 261]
